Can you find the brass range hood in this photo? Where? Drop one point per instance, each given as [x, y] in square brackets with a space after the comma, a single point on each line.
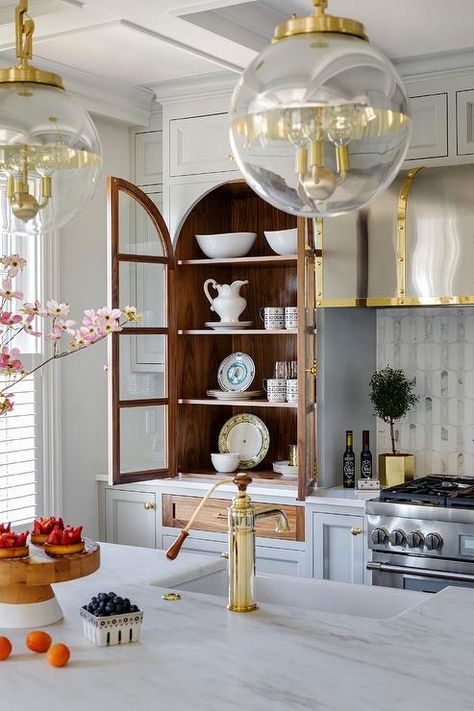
[411, 246]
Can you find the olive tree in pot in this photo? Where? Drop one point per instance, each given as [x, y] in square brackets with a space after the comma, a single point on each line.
[392, 396]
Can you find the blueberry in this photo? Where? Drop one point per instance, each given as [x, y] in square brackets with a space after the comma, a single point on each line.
[109, 608]
[93, 600]
[102, 596]
[112, 595]
[133, 608]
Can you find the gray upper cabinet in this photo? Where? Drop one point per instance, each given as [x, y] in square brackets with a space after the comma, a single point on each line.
[199, 145]
[465, 122]
[430, 127]
[149, 158]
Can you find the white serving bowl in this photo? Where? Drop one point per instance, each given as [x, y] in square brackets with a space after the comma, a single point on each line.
[226, 244]
[225, 463]
[283, 242]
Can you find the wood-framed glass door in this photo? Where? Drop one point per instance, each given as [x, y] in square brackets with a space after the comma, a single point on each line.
[307, 365]
[141, 365]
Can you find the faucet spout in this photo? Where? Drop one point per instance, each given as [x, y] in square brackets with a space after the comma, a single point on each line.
[282, 525]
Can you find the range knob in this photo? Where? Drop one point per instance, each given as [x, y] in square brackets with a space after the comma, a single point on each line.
[379, 536]
[397, 537]
[415, 539]
[433, 541]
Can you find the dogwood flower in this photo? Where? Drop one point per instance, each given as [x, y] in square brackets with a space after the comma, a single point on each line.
[7, 292]
[57, 310]
[15, 264]
[105, 314]
[9, 361]
[34, 309]
[7, 318]
[54, 335]
[65, 326]
[6, 403]
[90, 318]
[29, 329]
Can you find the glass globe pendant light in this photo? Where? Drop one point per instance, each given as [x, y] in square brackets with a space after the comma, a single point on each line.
[319, 120]
[50, 153]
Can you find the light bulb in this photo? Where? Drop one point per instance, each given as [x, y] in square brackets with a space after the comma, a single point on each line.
[341, 123]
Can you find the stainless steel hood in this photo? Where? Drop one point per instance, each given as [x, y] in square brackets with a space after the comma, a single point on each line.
[413, 245]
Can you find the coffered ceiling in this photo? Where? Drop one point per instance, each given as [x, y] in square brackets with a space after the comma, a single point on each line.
[139, 43]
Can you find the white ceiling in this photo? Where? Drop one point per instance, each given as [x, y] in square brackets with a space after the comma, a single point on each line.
[142, 42]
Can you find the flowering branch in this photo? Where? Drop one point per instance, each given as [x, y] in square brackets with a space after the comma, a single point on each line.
[95, 326]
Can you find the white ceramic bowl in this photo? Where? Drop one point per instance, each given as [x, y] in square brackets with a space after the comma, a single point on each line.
[225, 463]
[283, 242]
[227, 244]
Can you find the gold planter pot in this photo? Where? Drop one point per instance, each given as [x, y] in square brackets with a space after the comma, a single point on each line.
[396, 468]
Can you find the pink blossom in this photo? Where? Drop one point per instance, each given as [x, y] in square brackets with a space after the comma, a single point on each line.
[90, 318]
[57, 310]
[6, 403]
[108, 326]
[7, 292]
[15, 264]
[7, 318]
[9, 361]
[106, 314]
[65, 326]
[29, 329]
[80, 340]
[54, 335]
[93, 332]
[34, 309]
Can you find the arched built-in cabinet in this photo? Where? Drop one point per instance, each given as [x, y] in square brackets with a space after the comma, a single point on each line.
[192, 352]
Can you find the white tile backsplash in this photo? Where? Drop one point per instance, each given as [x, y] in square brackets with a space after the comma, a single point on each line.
[436, 347]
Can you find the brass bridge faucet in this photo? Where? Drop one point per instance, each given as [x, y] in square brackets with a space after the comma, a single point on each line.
[242, 518]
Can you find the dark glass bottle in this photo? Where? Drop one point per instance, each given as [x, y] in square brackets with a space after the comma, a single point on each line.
[365, 457]
[348, 470]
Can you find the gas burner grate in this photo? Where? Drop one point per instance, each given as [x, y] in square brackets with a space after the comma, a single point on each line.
[433, 490]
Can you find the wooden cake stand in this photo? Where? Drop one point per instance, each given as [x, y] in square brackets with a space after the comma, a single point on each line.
[26, 596]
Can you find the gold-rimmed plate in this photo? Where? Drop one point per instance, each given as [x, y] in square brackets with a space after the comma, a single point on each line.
[248, 435]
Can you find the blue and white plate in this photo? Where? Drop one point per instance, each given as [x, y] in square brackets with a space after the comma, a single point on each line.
[236, 372]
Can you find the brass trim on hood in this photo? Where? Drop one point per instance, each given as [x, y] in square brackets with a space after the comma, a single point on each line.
[402, 232]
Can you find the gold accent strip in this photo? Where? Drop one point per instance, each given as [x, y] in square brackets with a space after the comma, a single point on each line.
[341, 303]
[319, 23]
[402, 231]
[318, 264]
[423, 301]
[30, 75]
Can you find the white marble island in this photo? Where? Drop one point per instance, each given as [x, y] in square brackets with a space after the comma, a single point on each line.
[196, 655]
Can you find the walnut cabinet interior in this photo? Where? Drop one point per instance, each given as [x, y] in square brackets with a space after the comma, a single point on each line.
[161, 421]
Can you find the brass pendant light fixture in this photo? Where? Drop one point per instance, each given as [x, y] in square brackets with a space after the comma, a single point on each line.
[319, 120]
[50, 153]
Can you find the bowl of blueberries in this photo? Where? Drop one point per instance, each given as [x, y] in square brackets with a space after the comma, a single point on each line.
[109, 619]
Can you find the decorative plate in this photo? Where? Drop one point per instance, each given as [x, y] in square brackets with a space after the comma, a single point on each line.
[236, 372]
[228, 325]
[249, 436]
[232, 395]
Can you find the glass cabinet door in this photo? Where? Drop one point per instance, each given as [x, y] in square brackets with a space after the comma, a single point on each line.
[307, 365]
[142, 400]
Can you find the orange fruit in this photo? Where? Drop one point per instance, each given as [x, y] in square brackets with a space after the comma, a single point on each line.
[38, 641]
[5, 648]
[58, 655]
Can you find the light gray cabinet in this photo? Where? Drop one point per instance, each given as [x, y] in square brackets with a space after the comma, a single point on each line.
[149, 158]
[338, 547]
[430, 127]
[200, 145]
[130, 517]
[465, 122]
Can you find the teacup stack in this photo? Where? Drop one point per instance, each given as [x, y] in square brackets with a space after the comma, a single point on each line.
[283, 387]
[279, 317]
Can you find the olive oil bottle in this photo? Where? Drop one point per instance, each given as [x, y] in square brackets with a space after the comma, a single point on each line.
[348, 463]
[365, 457]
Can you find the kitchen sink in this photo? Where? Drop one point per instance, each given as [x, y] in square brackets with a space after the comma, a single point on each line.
[318, 595]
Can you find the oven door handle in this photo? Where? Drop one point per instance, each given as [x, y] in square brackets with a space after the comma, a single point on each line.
[405, 570]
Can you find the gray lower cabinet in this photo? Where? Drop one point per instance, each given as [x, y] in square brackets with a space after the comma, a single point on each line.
[130, 518]
[338, 547]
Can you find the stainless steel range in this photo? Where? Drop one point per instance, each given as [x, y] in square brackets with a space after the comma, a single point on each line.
[422, 534]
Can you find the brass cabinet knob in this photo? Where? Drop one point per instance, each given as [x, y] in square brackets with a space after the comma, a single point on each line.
[105, 367]
[355, 530]
[230, 156]
[149, 506]
[225, 555]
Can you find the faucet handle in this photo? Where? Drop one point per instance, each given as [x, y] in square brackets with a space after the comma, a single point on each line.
[242, 481]
[175, 547]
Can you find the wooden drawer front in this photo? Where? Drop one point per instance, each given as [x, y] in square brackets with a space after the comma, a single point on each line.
[200, 145]
[177, 510]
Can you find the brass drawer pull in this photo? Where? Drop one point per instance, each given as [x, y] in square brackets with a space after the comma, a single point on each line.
[313, 369]
[356, 530]
[149, 506]
[222, 516]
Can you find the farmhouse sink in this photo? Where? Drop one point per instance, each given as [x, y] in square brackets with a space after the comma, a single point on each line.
[318, 595]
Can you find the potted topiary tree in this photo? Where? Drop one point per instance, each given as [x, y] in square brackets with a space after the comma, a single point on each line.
[392, 396]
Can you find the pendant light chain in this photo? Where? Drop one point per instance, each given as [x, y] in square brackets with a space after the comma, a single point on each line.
[24, 33]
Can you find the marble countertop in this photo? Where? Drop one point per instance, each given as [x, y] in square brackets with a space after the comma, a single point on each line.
[195, 655]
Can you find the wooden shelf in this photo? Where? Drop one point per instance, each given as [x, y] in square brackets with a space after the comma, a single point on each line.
[237, 332]
[271, 261]
[236, 403]
[259, 477]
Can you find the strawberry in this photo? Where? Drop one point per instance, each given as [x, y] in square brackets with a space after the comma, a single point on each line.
[46, 525]
[5, 527]
[9, 539]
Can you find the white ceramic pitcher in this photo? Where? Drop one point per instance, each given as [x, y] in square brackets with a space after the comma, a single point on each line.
[228, 304]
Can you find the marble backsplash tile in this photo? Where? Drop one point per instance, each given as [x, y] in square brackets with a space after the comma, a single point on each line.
[436, 347]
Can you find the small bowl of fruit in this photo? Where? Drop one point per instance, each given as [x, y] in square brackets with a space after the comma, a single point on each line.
[109, 619]
[43, 527]
[65, 541]
[13, 545]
